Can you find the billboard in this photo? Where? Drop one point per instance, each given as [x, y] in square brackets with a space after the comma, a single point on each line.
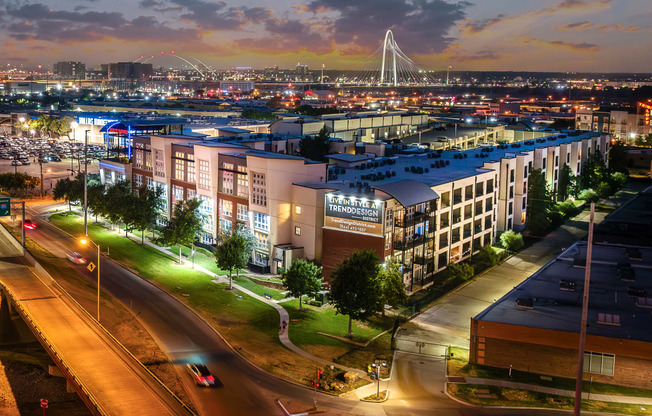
[5, 207]
[354, 214]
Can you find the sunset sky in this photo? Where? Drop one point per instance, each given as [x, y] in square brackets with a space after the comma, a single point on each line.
[534, 35]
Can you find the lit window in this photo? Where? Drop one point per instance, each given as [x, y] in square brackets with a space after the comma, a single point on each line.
[297, 209]
[297, 230]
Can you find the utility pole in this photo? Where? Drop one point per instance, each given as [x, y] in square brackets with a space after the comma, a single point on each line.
[322, 74]
[585, 310]
[86, 182]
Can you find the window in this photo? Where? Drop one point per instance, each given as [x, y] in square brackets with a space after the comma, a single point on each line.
[599, 363]
[511, 176]
[609, 319]
[543, 165]
[457, 196]
[226, 226]
[445, 199]
[443, 240]
[490, 185]
[457, 215]
[511, 191]
[204, 175]
[487, 222]
[242, 212]
[468, 211]
[139, 180]
[444, 220]
[227, 182]
[150, 182]
[177, 194]
[488, 204]
[243, 184]
[525, 172]
[190, 177]
[159, 163]
[557, 160]
[261, 221]
[510, 210]
[479, 189]
[191, 194]
[259, 192]
[297, 230]
[139, 159]
[468, 192]
[442, 261]
[227, 208]
[389, 217]
[179, 169]
[298, 209]
[478, 208]
[261, 241]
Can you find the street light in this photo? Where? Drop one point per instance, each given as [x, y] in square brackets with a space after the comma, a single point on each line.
[74, 126]
[86, 183]
[85, 241]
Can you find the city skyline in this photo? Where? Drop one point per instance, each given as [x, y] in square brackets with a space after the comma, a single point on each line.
[560, 35]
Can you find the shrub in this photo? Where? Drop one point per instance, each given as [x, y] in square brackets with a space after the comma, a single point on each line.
[462, 271]
[567, 208]
[489, 256]
[315, 303]
[511, 241]
[589, 195]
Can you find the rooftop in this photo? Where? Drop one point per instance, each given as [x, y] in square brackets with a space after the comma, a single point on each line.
[619, 299]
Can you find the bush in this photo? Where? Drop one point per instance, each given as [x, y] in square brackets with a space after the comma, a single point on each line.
[589, 195]
[489, 256]
[461, 271]
[567, 209]
[511, 241]
[315, 303]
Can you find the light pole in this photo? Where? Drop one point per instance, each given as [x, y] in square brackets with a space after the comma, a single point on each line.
[86, 184]
[72, 148]
[85, 241]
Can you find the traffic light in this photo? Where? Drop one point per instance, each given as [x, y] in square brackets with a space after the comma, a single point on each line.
[319, 374]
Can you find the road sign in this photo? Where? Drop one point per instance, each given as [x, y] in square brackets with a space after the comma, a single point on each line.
[44, 403]
[5, 207]
[91, 266]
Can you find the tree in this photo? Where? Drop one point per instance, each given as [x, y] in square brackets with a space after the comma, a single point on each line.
[461, 271]
[303, 278]
[355, 286]
[316, 148]
[18, 181]
[232, 253]
[257, 115]
[489, 256]
[184, 225]
[146, 205]
[539, 203]
[511, 241]
[69, 190]
[117, 201]
[618, 157]
[566, 183]
[392, 288]
[96, 199]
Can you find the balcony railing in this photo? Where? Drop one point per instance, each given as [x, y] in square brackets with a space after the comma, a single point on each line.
[411, 220]
[424, 259]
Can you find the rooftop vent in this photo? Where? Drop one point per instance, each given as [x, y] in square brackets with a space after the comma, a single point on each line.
[567, 286]
[626, 273]
[525, 303]
[634, 254]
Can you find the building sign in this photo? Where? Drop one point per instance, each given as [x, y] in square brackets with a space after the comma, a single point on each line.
[95, 121]
[647, 112]
[5, 207]
[353, 214]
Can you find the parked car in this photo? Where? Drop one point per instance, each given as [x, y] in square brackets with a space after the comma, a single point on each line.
[201, 374]
[16, 163]
[76, 258]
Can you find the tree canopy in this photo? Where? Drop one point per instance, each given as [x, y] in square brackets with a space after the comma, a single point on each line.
[316, 148]
[184, 226]
[303, 278]
[356, 286]
[392, 286]
[233, 252]
[539, 203]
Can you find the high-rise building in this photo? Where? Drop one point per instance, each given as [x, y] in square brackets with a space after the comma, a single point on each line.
[130, 71]
[70, 69]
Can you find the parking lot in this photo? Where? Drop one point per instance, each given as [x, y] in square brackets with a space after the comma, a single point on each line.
[60, 158]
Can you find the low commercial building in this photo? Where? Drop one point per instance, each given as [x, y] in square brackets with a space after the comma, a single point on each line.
[535, 327]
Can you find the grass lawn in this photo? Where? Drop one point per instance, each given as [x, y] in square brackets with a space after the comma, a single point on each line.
[458, 365]
[312, 319]
[502, 396]
[257, 288]
[250, 326]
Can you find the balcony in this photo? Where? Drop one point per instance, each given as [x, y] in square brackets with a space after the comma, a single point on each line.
[455, 239]
[411, 242]
[443, 243]
[444, 224]
[428, 259]
[411, 220]
[467, 233]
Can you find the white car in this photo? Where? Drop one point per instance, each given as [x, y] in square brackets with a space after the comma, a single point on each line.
[76, 258]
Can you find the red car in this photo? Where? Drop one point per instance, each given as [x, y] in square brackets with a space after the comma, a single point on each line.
[201, 374]
[76, 258]
[29, 225]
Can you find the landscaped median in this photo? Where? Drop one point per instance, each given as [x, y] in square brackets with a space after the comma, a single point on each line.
[249, 325]
[520, 390]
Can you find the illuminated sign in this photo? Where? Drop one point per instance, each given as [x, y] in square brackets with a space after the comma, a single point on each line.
[647, 112]
[354, 214]
[95, 121]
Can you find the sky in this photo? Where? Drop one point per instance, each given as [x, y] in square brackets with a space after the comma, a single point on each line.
[518, 35]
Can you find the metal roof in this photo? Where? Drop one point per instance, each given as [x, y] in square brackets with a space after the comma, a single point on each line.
[408, 192]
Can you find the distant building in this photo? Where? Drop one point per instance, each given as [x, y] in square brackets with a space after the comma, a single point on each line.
[535, 327]
[228, 86]
[130, 71]
[621, 124]
[70, 69]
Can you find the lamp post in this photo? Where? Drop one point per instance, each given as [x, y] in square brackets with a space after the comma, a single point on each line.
[85, 241]
[73, 125]
[86, 183]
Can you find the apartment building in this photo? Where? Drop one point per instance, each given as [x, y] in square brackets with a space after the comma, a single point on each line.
[622, 124]
[424, 210]
[364, 126]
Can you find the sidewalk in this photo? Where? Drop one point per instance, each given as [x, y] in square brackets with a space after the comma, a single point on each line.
[283, 314]
[550, 390]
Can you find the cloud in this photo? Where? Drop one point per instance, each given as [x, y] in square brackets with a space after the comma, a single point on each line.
[583, 26]
[419, 25]
[37, 22]
[286, 35]
[575, 27]
[576, 47]
[560, 7]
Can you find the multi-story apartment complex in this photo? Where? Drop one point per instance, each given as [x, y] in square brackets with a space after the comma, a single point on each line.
[424, 210]
[622, 124]
[70, 69]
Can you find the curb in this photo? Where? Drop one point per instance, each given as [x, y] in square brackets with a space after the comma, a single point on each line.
[377, 401]
[205, 321]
